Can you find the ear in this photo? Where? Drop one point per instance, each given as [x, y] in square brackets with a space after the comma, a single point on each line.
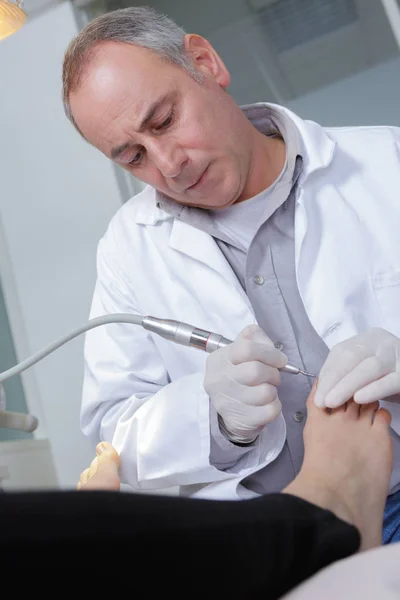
[206, 59]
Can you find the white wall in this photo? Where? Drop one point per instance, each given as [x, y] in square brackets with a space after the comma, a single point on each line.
[56, 197]
[27, 465]
[371, 97]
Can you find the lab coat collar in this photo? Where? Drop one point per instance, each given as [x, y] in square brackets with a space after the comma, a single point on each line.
[316, 148]
[315, 145]
[147, 207]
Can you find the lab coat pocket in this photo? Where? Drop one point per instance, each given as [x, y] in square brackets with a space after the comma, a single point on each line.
[386, 287]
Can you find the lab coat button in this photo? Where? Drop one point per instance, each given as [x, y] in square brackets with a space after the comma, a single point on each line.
[278, 345]
[298, 416]
[259, 279]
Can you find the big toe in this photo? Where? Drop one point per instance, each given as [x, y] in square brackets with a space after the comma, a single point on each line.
[106, 453]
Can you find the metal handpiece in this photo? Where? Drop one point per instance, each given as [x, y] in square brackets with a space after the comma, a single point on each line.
[188, 335]
[185, 334]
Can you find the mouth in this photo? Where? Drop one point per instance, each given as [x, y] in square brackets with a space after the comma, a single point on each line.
[199, 181]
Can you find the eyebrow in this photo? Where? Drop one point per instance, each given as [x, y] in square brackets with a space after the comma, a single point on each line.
[118, 150]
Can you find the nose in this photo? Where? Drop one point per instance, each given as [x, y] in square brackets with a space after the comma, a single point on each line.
[169, 157]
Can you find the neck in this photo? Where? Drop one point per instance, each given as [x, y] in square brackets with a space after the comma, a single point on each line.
[267, 160]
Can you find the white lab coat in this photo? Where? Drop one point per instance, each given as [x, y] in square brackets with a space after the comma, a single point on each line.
[145, 394]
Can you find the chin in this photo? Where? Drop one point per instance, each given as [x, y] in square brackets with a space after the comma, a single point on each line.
[210, 205]
[220, 204]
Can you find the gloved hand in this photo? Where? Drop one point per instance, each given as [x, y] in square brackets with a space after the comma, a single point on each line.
[366, 367]
[241, 381]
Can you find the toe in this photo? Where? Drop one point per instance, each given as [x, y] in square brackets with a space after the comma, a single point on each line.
[340, 410]
[382, 417]
[352, 410]
[93, 467]
[83, 478]
[367, 411]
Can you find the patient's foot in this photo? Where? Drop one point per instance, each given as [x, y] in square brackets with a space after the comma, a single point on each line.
[347, 465]
[103, 471]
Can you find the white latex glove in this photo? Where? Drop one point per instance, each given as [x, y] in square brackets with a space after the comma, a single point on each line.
[241, 381]
[366, 367]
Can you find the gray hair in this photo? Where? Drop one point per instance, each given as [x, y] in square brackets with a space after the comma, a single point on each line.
[140, 26]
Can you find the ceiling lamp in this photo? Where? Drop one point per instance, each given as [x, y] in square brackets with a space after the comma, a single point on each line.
[12, 17]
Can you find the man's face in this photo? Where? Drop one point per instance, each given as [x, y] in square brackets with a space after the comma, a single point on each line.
[186, 139]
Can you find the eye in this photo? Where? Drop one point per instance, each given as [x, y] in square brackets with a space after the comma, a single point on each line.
[136, 159]
[165, 124]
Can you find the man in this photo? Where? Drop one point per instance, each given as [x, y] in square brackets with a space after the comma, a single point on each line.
[254, 222]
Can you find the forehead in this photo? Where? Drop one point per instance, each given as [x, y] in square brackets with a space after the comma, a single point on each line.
[121, 79]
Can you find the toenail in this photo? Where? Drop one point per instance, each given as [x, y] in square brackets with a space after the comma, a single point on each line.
[101, 448]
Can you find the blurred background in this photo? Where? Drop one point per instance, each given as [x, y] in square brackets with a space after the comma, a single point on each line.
[333, 61]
